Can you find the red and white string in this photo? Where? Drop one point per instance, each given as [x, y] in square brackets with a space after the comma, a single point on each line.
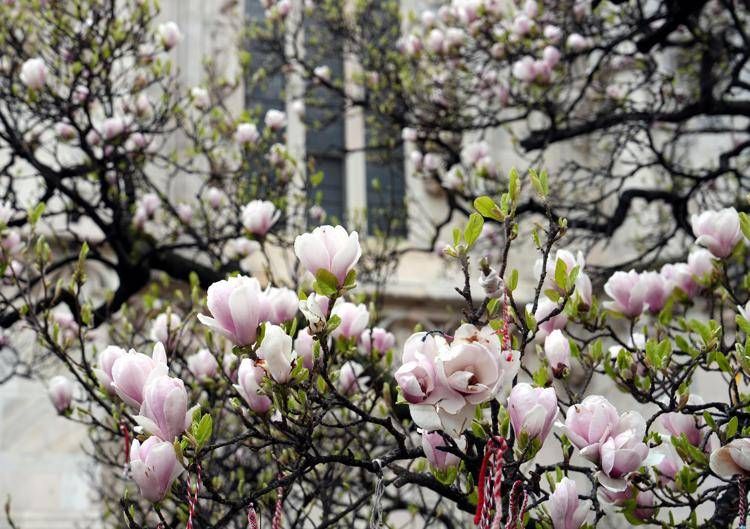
[192, 494]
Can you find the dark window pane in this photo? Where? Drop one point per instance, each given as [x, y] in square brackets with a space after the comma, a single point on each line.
[265, 84]
[324, 119]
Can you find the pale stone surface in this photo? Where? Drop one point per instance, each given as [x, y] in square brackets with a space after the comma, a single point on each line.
[43, 466]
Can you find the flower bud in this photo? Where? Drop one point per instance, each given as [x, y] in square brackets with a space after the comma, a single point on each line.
[259, 216]
[203, 365]
[34, 73]
[249, 377]
[329, 248]
[276, 351]
[60, 391]
[169, 35]
[154, 467]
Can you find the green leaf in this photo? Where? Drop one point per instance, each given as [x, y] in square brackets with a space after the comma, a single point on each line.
[514, 185]
[745, 224]
[333, 322]
[473, 229]
[326, 283]
[36, 213]
[731, 429]
[350, 281]
[205, 428]
[487, 208]
[561, 274]
[456, 236]
[513, 282]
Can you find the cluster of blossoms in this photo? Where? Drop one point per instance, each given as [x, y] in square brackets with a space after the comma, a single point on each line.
[444, 381]
[633, 293]
[256, 321]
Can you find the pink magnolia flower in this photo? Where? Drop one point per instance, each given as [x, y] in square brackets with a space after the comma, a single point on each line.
[322, 72]
[282, 304]
[315, 311]
[432, 443]
[531, 8]
[105, 361]
[80, 94]
[432, 162]
[275, 119]
[215, 197]
[719, 231]
[150, 202]
[230, 365]
[551, 56]
[329, 248]
[65, 131]
[417, 377]
[627, 299]
[409, 134]
[546, 323]
[552, 33]
[582, 284]
[522, 25]
[700, 263]
[60, 390]
[249, 377]
[435, 40]
[258, 216]
[654, 289]
[184, 213]
[235, 305]
[200, 97]
[376, 338]
[169, 34]
[565, 508]
[350, 378]
[34, 73]
[164, 329]
[669, 464]
[298, 108]
[164, 411]
[532, 410]
[474, 366]
[246, 134]
[276, 352]
[443, 383]
[557, 351]
[577, 42]
[203, 365]
[644, 500]
[354, 319]
[524, 70]
[154, 467]
[624, 452]
[112, 128]
[732, 459]
[303, 346]
[411, 45]
[591, 423]
[131, 372]
[679, 276]
[678, 423]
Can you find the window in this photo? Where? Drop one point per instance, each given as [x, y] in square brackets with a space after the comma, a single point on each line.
[354, 179]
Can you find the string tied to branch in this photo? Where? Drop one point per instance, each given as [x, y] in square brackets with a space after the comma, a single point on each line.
[489, 494]
[192, 494]
[253, 522]
[376, 514]
[742, 504]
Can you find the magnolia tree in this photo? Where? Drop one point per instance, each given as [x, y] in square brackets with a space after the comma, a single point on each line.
[292, 406]
[168, 260]
[637, 106]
